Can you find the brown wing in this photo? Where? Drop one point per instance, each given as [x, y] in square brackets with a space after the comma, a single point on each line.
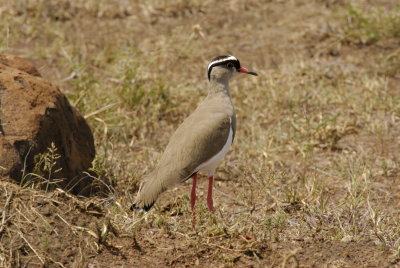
[194, 142]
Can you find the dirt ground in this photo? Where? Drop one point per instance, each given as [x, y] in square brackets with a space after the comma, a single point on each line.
[312, 178]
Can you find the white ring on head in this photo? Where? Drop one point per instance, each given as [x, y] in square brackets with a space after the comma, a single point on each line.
[221, 60]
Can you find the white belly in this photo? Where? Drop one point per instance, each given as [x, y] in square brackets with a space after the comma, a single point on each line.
[208, 167]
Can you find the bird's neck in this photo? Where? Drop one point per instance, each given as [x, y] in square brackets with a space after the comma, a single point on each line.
[218, 87]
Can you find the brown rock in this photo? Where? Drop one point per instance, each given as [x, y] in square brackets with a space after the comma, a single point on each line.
[33, 115]
[19, 63]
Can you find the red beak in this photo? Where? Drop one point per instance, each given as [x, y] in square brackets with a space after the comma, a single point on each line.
[246, 71]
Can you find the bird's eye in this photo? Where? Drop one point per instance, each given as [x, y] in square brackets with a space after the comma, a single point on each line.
[229, 65]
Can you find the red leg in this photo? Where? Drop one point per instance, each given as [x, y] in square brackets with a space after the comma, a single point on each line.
[193, 195]
[209, 195]
[193, 200]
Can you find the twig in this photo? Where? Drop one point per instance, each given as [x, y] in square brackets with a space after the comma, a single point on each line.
[138, 220]
[323, 172]
[224, 248]
[4, 213]
[231, 197]
[100, 110]
[22, 214]
[292, 255]
[79, 228]
[44, 220]
[73, 75]
[252, 209]
[256, 180]
[34, 251]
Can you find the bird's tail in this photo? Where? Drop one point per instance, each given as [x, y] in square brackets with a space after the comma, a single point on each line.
[148, 194]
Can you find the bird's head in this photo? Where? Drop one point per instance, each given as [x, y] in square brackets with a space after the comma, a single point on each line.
[224, 67]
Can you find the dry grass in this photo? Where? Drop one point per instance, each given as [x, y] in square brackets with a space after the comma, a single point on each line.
[312, 175]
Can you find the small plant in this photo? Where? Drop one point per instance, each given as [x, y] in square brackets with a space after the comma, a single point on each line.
[160, 222]
[366, 27]
[275, 222]
[362, 28]
[45, 167]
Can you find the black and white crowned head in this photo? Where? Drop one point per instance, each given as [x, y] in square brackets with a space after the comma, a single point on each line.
[229, 63]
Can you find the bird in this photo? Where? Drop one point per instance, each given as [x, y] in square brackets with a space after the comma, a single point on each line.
[200, 142]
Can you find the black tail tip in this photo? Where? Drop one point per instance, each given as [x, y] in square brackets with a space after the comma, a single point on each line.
[145, 208]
